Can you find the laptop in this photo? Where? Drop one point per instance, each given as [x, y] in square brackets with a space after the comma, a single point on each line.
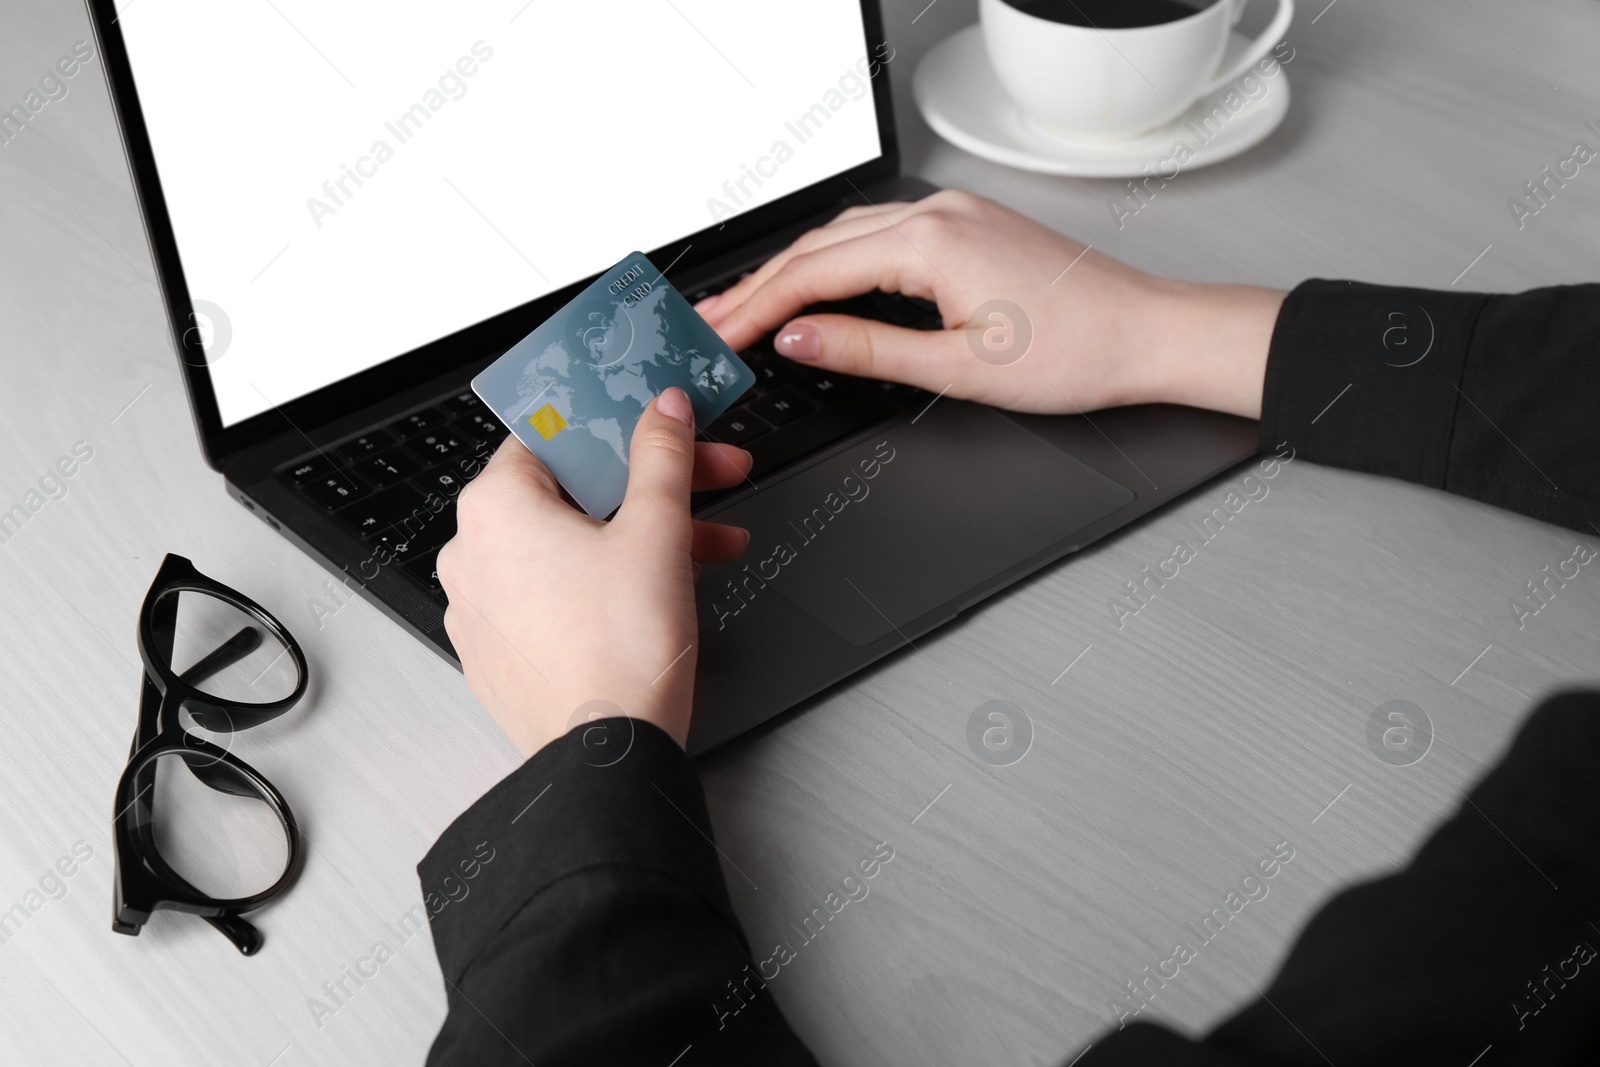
[353, 214]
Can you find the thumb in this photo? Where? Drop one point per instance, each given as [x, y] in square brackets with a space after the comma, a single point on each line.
[661, 464]
[931, 359]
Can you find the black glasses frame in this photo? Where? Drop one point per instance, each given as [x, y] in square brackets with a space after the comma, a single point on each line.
[144, 881]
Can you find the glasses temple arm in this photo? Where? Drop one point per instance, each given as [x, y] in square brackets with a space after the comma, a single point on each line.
[231, 651]
[245, 937]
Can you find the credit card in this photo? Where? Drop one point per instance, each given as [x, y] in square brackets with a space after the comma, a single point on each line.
[574, 389]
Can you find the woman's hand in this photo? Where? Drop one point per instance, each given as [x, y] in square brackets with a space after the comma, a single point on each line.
[551, 610]
[1103, 334]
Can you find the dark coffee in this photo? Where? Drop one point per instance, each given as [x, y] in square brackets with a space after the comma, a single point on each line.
[1110, 14]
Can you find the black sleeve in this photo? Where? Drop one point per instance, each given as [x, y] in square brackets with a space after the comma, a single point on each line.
[580, 917]
[1492, 397]
[1488, 938]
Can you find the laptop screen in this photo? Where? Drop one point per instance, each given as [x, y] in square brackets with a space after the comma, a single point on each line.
[348, 182]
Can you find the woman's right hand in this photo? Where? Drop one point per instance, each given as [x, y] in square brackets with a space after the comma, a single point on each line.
[1102, 333]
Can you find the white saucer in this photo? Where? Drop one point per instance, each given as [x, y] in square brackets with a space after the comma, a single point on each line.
[963, 101]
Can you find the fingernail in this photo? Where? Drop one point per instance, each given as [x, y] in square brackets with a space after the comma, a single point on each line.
[706, 306]
[801, 341]
[746, 533]
[674, 404]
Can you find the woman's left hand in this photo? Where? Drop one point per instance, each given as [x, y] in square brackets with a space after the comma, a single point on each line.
[551, 610]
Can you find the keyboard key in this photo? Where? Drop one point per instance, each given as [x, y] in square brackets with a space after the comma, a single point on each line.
[445, 481]
[896, 310]
[824, 387]
[783, 406]
[465, 466]
[382, 509]
[335, 490]
[481, 427]
[736, 427]
[438, 446]
[390, 547]
[463, 403]
[315, 467]
[472, 465]
[365, 445]
[424, 567]
[920, 314]
[770, 371]
[387, 468]
[415, 534]
[418, 422]
[893, 390]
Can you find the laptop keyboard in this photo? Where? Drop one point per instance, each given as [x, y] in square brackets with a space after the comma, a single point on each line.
[395, 485]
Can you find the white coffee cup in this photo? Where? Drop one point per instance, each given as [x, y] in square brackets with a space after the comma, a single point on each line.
[1103, 84]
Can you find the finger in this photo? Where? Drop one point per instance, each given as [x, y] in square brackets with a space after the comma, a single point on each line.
[854, 222]
[930, 359]
[512, 469]
[879, 260]
[661, 466]
[718, 466]
[716, 542]
[851, 223]
[888, 207]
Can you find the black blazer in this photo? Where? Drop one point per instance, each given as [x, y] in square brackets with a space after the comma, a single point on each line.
[599, 929]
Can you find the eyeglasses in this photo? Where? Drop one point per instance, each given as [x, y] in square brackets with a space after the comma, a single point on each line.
[216, 840]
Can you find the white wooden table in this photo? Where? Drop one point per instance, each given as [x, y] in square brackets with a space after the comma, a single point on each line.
[1228, 716]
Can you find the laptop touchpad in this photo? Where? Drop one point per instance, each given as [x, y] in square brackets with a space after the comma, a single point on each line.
[909, 521]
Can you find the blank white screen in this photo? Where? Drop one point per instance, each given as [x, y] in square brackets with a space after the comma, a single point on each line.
[584, 131]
